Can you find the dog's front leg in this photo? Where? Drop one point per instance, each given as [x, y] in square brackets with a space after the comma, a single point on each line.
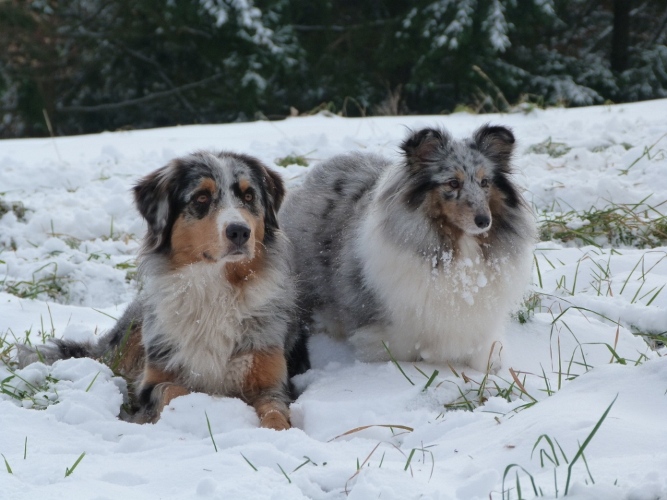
[265, 387]
[156, 390]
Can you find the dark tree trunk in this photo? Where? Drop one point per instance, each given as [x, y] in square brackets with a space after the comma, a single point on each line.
[621, 35]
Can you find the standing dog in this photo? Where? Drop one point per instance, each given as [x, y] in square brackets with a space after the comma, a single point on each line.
[427, 255]
[216, 311]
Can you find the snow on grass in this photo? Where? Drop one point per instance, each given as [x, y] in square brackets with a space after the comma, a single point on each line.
[589, 334]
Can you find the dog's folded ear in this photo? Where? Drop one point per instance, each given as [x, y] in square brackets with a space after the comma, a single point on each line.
[496, 143]
[151, 196]
[420, 145]
[275, 189]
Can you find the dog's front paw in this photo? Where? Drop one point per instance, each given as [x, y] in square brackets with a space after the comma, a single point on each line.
[274, 419]
[488, 360]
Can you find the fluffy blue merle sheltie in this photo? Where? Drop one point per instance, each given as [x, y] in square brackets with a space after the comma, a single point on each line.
[216, 309]
[428, 254]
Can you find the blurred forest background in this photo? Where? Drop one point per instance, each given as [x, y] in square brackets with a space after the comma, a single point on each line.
[83, 66]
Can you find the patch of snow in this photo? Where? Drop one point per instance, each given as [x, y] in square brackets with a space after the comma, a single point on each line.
[362, 430]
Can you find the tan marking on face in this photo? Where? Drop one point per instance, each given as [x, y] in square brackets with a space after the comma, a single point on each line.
[243, 271]
[244, 184]
[129, 358]
[454, 217]
[480, 174]
[194, 240]
[207, 185]
[450, 217]
[445, 213]
[268, 370]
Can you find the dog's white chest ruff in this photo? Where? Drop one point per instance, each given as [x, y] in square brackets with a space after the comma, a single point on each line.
[199, 316]
[449, 307]
[460, 279]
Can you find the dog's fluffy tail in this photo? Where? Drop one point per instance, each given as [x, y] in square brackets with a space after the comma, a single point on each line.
[57, 349]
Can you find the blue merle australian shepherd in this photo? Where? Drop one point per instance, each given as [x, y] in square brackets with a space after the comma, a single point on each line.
[216, 307]
[426, 256]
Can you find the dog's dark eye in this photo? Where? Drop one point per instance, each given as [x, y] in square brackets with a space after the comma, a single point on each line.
[248, 197]
[484, 183]
[203, 199]
[454, 184]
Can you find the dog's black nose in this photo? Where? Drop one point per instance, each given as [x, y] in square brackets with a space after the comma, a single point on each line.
[482, 221]
[237, 233]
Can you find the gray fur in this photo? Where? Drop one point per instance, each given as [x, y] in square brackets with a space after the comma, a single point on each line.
[374, 264]
[57, 349]
[195, 324]
[318, 218]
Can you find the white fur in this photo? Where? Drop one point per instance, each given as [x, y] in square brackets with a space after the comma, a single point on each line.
[201, 313]
[454, 312]
[374, 266]
[229, 215]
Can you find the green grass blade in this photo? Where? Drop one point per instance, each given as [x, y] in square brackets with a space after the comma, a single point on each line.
[250, 463]
[210, 433]
[530, 476]
[393, 360]
[412, 454]
[588, 439]
[284, 473]
[68, 470]
[9, 469]
[92, 382]
[304, 463]
[655, 296]
[539, 273]
[430, 380]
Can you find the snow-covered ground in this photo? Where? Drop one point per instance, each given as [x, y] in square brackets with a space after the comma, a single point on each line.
[361, 430]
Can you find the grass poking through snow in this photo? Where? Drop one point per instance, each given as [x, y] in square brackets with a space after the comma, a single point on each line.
[9, 469]
[639, 225]
[210, 433]
[551, 454]
[70, 470]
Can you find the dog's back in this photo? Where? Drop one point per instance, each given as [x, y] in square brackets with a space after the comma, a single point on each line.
[319, 218]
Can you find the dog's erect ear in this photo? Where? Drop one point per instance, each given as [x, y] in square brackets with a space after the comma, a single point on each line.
[151, 196]
[275, 189]
[496, 143]
[420, 146]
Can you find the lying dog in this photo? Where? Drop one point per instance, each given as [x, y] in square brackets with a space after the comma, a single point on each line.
[216, 309]
[427, 255]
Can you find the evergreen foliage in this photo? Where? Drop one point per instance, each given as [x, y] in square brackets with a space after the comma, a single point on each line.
[82, 66]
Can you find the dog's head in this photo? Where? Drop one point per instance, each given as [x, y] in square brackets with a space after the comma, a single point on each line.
[461, 183]
[209, 207]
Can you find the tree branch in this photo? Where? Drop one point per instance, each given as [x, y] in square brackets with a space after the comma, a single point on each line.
[139, 100]
[339, 28]
[164, 77]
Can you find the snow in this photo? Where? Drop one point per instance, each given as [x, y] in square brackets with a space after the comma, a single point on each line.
[355, 424]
